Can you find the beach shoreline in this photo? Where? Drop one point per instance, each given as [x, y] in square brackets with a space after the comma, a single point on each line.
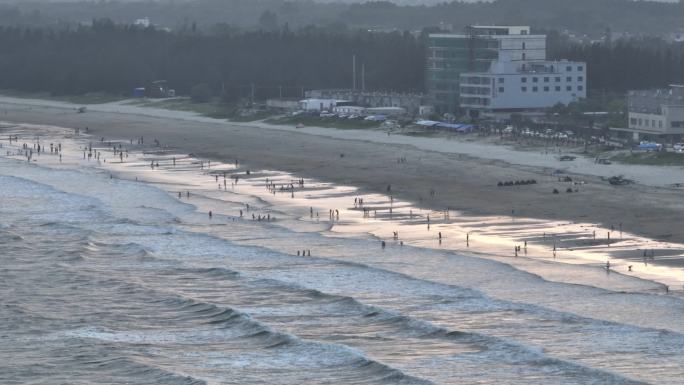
[436, 173]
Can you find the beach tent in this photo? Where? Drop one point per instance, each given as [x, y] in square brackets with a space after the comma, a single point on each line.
[456, 127]
[427, 123]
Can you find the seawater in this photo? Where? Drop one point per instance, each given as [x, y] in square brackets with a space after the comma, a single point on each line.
[108, 280]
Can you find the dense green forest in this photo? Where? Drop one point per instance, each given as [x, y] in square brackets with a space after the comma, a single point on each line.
[625, 64]
[113, 58]
[581, 17]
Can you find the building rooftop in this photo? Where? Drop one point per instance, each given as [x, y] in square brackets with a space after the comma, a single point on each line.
[501, 29]
[463, 36]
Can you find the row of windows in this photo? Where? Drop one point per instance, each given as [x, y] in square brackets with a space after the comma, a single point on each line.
[546, 89]
[645, 122]
[652, 123]
[546, 79]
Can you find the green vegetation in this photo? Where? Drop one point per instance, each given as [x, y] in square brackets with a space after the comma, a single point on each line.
[115, 59]
[87, 98]
[111, 59]
[308, 120]
[660, 158]
[213, 109]
[201, 93]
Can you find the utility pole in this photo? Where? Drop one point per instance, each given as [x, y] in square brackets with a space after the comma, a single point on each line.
[354, 72]
[363, 76]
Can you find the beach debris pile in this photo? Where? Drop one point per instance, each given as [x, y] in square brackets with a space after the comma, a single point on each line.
[619, 180]
[517, 183]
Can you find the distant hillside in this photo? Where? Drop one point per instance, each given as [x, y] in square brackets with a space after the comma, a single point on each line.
[590, 17]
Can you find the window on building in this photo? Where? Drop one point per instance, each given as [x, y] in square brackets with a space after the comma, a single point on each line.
[523, 89]
[524, 57]
[558, 88]
[653, 123]
[523, 45]
[501, 80]
[568, 79]
[568, 88]
[546, 80]
[546, 89]
[535, 89]
[660, 124]
[580, 88]
[580, 68]
[580, 78]
[535, 80]
[641, 122]
[677, 124]
[568, 68]
[558, 79]
[524, 80]
[633, 121]
[501, 90]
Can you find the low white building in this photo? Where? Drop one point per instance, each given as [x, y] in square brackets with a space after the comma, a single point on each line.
[319, 105]
[349, 110]
[655, 114]
[523, 85]
[144, 22]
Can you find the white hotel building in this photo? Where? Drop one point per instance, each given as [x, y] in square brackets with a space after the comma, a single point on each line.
[520, 78]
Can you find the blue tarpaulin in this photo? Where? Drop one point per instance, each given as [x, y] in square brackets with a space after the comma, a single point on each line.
[447, 126]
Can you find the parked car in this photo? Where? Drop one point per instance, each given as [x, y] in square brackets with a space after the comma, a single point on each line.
[678, 147]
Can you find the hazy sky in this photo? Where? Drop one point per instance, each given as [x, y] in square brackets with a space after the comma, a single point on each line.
[412, 2]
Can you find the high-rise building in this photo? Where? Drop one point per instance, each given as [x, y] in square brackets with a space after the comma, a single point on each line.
[487, 69]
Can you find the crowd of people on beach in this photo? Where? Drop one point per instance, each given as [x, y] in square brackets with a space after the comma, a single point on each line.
[31, 150]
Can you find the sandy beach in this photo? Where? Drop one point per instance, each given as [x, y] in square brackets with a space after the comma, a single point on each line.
[462, 175]
[168, 261]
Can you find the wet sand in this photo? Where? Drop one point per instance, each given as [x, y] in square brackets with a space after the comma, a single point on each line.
[460, 182]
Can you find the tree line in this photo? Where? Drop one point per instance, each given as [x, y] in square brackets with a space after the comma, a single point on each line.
[115, 58]
[626, 64]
